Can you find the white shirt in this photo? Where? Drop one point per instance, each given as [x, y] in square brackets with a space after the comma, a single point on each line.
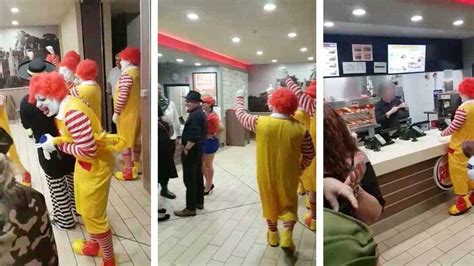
[171, 113]
[113, 78]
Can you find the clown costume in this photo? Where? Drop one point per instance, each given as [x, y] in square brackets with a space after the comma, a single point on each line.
[284, 150]
[461, 130]
[81, 136]
[127, 112]
[88, 90]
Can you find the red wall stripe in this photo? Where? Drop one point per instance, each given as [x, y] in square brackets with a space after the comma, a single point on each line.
[188, 47]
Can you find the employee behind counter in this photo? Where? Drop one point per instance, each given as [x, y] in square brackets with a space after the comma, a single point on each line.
[389, 110]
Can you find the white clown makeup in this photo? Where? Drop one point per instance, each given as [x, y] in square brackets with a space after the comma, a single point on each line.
[67, 74]
[48, 106]
[124, 64]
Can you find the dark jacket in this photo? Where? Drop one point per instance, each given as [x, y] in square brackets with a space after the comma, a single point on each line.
[32, 118]
[166, 165]
[195, 129]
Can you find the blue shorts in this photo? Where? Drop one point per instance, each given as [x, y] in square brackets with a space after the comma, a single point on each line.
[210, 146]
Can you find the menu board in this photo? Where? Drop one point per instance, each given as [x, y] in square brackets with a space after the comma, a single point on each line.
[331, 62]
[406, 58]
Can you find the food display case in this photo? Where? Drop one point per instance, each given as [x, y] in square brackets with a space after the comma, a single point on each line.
[359, 114]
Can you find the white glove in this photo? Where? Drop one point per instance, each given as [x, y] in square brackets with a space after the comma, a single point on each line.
[470, 168]
[115, 118]
[240, 93]
[47, 146]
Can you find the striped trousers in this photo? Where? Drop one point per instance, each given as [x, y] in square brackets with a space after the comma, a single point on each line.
[62, 195]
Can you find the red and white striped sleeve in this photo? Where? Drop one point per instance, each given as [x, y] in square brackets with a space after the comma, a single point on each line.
[307, 151]
[79, 126]
[305, 101]
[125, 84]
[55, 60]
[459, 119]
[74, 91]
[247, 120]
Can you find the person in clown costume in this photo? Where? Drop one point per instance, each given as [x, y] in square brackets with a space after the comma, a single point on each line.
[306, 115]
[127, 112]
[284, 150]
[81, 136]
[52, 57]
[67, 69]
[461, 130]
[88, 90]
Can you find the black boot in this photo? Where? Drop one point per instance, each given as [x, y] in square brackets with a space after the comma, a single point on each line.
[166, 193]
[164, 218]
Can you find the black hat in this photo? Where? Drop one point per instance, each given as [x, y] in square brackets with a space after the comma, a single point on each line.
[193, 96]
[30, 68]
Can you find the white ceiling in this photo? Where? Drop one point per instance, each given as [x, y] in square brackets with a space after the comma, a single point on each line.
[34, 12]
[392, 18]
[220, 20]
[170, 56]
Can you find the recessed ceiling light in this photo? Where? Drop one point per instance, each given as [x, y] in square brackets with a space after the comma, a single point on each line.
[197, 64]
[274, 61]
[310, 58]
[15, 10]
[160, 54]
[458, 22]
[236, 40]
[14, 22]
[269, 7]
[193, 16]
[179, 60]
[259, 52]
[292, 35]
[328, 24]
[359, 12]
[282, 67]
[416, 18]
[304, 49]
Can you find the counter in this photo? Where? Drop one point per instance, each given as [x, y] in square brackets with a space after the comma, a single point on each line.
[405, 170]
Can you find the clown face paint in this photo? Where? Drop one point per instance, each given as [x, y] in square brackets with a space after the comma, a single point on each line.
[67, 74]
[124, 64]
[48, 106]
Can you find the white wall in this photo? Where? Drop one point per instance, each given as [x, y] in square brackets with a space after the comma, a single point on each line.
[260, 76]
[232, 81]
[70, 30]
[133, 33]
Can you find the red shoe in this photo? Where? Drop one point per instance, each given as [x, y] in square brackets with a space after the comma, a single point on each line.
[26, 181]
[462, 205]
[110, 262]
[87, 248]
[128, 174]
[471, 198]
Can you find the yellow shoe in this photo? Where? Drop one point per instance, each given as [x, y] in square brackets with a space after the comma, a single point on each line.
[273, 238]
[87, 248]
[138, 166]
[309, 222]
[462, 205]
[127, 175]
[286, 242]
[301, 190]
[306, 200]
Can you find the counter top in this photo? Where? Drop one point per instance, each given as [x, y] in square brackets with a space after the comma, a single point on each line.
[404, 153]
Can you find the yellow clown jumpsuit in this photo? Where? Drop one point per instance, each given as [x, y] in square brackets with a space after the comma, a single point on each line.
[91, 95]
[457, 161]
[91, 187]
[128, 124]
[5, 124]
[308, 177]
[278, 166]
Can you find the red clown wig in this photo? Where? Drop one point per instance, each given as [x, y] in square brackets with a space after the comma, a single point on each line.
[72, 54]
[467, 87]
[311, 89]
[87, 70]
[284, 101]
[49, 85]
[69, 63]
[131, 54]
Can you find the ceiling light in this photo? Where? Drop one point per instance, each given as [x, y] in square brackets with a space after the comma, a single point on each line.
[160, 54]
[282, 68]
[292, 35]
[328, 24]
[359, 12]
[179, 60]
[416, 18]
[274, 61]
[197, 64]
[269, 7]
[14, 22]
[236, 40]
[304, 49]
[193, 16]
[259, 52]
[14, 10]
[458, 22]
[310, 58]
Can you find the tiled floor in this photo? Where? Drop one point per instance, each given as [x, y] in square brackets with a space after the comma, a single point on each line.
[128, 210]
[432, 238]
[231, 229]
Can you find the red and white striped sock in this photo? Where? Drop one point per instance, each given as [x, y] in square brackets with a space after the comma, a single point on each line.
[289, 225]
[272, 226]
[92, 239]
[312, 204]
[106, 244]
[127, 159]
